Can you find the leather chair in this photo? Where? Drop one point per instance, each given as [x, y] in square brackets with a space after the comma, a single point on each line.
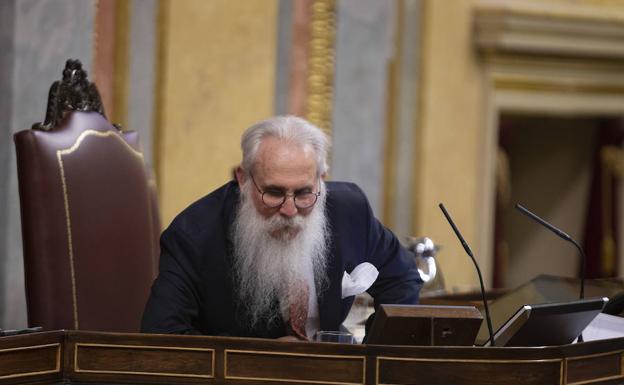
[90, 221]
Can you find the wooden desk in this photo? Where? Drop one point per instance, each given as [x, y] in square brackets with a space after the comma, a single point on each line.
[71, 357]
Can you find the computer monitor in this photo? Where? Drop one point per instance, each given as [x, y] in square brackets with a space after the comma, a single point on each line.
[544, 289]
[547, 324]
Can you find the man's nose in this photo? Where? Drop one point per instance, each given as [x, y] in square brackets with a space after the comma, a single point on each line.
[288, 208]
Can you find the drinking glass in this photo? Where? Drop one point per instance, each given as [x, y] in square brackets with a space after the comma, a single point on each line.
[338, 337]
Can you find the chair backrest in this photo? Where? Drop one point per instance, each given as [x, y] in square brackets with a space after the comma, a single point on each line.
[90, 221]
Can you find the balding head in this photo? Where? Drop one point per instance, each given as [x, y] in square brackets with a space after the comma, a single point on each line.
[290, 129]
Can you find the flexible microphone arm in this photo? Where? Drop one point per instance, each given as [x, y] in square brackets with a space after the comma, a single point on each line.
[562, 235]
[469, 252]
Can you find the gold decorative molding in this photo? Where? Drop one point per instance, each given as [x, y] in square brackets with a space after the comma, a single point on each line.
[549, 29]
[613, 159]
[577, 86]
[320, 78]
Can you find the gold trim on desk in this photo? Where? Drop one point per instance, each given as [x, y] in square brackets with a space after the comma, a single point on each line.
[262, 352]
[57, 368]
[599, 379]
[148, 347]
[595, 380]
[59, 156]
[467, 360]
[575, 358]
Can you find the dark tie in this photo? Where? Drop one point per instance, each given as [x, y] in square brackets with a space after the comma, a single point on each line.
[298, 311]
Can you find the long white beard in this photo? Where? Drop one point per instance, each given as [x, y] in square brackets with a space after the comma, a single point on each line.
[265, 266]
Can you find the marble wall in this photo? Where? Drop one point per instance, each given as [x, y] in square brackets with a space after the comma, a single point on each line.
[7, 11]
[142, 72]
[364, 47]
[37, 36]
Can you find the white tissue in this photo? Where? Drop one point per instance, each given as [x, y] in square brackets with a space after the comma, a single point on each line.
[360, 279]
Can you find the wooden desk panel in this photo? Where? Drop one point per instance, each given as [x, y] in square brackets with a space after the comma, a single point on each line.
[470, 372]
[294, 367]
[144, 360]
[31, 357]
[605, 366]
[72, 357]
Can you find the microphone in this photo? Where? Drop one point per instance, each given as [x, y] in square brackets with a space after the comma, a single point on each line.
[562, 235]
[469, 252]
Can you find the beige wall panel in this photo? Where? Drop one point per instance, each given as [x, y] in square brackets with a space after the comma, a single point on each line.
[219, 64]
[450, 136]
[456, 149]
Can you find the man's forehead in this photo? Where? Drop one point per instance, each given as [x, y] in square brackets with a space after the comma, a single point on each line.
[277, 157]
[271, 145]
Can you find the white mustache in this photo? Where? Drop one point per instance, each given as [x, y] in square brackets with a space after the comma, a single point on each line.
[277, 223]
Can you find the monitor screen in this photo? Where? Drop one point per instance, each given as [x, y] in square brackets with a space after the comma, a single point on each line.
[547, 324]
[543, 289]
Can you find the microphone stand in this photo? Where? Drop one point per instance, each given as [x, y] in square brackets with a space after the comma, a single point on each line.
[469, 252]
[561, 234]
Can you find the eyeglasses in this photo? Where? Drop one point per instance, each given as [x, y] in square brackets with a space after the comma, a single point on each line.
[276, 198]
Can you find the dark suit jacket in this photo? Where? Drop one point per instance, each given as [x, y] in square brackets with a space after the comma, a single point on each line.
[194, 291]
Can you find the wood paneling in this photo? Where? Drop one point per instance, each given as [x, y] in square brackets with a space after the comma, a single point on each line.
[30, 360]
[140, 360]
[581, 369]
[274, 366]
[73, 357]
[469, 372]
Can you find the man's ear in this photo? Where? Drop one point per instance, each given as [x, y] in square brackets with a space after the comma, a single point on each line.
[240, 175]
[323, 176]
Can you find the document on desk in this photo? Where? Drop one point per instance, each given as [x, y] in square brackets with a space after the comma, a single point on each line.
[603, 327]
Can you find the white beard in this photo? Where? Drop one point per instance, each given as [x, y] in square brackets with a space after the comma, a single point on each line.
[266, 266]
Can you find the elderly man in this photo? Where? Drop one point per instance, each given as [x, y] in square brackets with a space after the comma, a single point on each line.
[266, 255]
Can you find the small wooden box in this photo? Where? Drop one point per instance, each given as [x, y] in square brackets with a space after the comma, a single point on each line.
[425, 325]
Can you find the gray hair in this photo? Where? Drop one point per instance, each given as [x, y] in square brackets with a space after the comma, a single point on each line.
[290, 128]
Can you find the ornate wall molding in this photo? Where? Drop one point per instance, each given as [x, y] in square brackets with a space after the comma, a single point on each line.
[320, 78]
[543, 58]
[549, 29]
